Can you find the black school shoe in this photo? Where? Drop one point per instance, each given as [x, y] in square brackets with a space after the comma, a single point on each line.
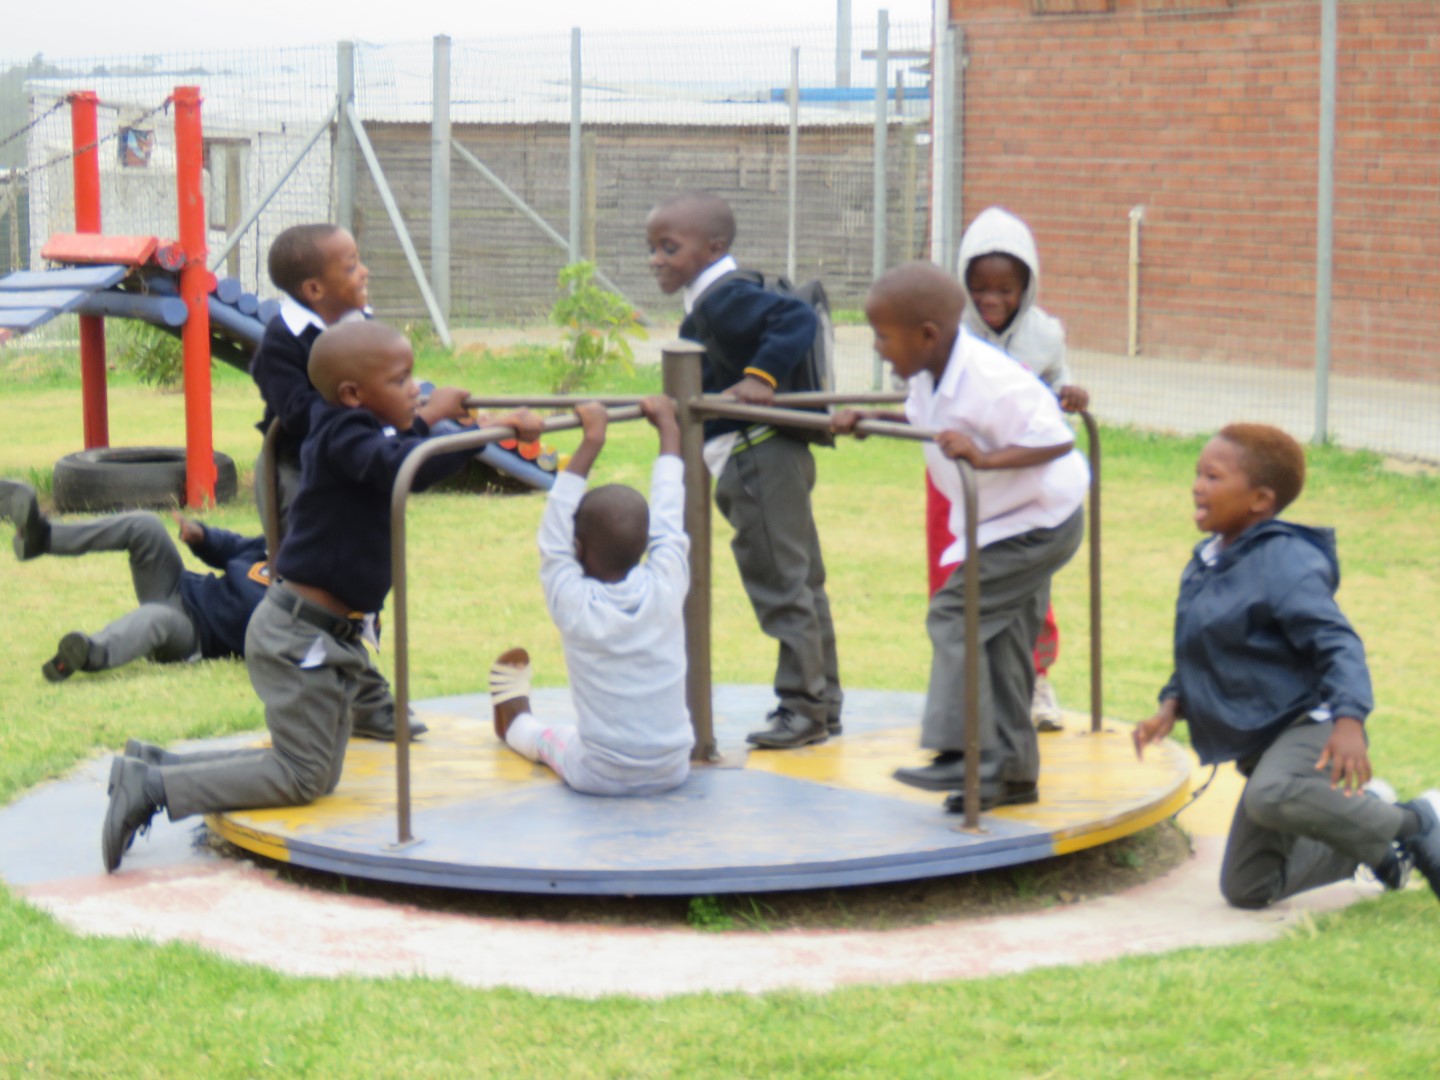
[381, 727]
[787, 731]
[995, 793]
[71, 655]
[1424, 846]
[946, 771]
[21, 508]
[130, 810]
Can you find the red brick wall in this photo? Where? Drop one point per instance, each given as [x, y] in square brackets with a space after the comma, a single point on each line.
[1207, 115]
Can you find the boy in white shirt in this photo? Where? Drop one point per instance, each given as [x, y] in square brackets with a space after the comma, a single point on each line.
[1031, 485]
[621, 621]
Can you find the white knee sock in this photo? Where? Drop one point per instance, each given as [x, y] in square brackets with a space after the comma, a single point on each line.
[523, 736]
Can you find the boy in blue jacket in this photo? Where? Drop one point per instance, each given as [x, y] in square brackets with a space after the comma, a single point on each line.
[182, 615]
[755, 341]
[1269, 674]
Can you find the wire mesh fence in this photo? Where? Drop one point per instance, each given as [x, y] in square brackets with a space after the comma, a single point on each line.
[1167, 157]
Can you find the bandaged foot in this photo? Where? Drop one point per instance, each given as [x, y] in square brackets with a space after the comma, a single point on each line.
[509, 688]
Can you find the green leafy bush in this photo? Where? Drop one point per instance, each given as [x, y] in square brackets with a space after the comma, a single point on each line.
[149, 353]
[597, 325]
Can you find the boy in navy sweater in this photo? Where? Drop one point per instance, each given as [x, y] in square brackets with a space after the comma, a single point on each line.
[182, 615]
[303, 647]
[1269, 674]
[318, 269]
[763, 478]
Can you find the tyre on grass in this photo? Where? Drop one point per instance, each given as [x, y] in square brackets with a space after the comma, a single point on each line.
[132, 478]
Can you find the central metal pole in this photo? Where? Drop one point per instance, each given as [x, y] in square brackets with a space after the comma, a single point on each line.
[681, 372]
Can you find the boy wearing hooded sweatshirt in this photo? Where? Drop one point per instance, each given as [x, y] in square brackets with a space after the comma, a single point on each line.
[1269, 674]
[1000, 271]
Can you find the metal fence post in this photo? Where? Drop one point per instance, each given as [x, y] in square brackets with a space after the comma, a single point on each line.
[882, 90]
[440, 177]
[793, 180]
[576, 128]
[1325, 219]
[344, 137]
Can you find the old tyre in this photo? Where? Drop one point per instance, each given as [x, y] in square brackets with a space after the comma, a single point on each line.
[132, 477]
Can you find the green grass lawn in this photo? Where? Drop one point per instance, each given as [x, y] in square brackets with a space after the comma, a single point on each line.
[1354, 994]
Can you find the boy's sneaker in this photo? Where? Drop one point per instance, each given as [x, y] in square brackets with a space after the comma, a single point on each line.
[1045, 707]
[1424, 846]
[20, 507]
[71, 655]
[1392, 872]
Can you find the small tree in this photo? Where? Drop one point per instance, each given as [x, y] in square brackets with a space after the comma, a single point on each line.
[598, 324]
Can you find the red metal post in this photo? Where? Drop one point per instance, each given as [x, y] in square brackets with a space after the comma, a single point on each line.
[84, 132]
[195, 282]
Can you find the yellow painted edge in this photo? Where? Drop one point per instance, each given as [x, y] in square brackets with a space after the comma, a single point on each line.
[1067, 843]
[266, 844]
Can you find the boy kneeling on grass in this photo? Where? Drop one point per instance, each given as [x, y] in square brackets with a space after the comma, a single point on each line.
[621, 620]
[304, 646]
[1269, 674]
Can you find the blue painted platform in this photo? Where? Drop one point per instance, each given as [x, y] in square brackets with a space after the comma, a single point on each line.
[485, 819]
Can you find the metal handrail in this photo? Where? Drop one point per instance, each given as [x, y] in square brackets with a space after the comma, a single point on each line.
[692, 411]
[269, 467]
[717, 406]
[567, 401]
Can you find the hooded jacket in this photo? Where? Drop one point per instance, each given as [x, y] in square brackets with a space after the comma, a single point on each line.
[1260, 641]
[1034, 337]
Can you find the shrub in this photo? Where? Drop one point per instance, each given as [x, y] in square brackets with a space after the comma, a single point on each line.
[597, 325]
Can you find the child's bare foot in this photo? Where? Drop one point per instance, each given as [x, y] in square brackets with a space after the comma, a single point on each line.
[509, 688]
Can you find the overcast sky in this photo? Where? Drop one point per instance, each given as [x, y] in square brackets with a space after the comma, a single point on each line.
[82, 28]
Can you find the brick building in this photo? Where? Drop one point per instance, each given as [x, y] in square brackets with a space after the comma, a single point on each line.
[1206, 114]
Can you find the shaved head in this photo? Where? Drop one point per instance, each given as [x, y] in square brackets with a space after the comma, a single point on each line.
[703, 211]
[612, 525]
[919, 292]
[347, 350]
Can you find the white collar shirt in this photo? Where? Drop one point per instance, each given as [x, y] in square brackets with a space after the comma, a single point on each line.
[986, 395]
[297, 316]
[707, 277]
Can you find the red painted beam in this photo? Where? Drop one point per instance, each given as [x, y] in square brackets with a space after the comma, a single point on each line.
[85, 136]
[195, 285]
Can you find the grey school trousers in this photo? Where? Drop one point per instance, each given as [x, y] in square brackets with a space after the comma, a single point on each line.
[1292, 831]
[308, 699]
[1014, 592]
[764, 493]
[160, 627]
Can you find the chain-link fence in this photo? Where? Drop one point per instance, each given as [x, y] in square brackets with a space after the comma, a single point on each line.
[1170, 158]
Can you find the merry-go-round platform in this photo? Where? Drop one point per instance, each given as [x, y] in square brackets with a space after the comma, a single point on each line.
[483, 818]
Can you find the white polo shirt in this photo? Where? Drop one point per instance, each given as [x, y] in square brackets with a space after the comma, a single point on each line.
[998, 403]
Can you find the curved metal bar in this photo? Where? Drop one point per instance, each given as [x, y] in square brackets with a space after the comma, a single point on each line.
[269, 467]
[565, 401]
[1092, 432]
[548, 401]
[970, 493]
[400, 600]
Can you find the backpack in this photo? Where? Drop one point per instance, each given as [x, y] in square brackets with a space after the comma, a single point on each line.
[816, 371]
